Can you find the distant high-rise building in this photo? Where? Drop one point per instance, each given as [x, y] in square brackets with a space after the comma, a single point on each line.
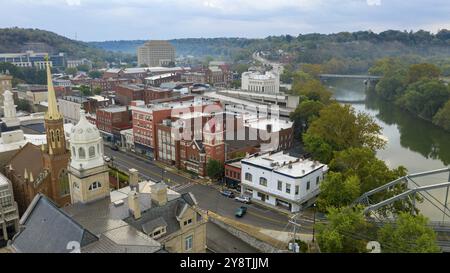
[156, 53]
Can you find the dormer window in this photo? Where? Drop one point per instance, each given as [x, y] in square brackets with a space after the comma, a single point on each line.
[158, 232]
[188, 222]
[94, 186]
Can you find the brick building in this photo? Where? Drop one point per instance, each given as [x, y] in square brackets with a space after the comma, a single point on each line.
[151, 93]
[125, 93]
[110, 121]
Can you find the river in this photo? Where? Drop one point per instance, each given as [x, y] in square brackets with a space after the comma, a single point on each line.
[413, 143]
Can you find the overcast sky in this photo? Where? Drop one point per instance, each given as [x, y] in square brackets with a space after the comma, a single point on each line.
[98, 20]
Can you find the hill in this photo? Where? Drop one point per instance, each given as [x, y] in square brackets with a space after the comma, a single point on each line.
[13, 40]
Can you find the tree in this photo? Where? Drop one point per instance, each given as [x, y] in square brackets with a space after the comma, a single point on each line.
[319, 149]
[83, 67]
[23, 105]
[442, 117]
[409, 234]
[214, 169]
[305, 112]
[95, 74]
[341, 128]
[71, 71]
[423, 71]
[85, 90]
[312, 89]
[424, 98]
[345, 232]
[338, 191]
[97, 91]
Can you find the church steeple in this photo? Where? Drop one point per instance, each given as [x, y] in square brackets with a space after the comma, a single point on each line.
[52, 112]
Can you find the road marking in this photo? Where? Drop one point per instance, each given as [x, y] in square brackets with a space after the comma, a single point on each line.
[180, 187]
[266, 218]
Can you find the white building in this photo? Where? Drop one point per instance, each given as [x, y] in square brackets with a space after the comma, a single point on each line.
[258, 82]
[280, 180]
[9, 214]
[70, 107]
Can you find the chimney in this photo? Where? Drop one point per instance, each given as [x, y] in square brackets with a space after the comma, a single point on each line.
[134, 179]
[269, 128]
[159, 193]
[133, 204]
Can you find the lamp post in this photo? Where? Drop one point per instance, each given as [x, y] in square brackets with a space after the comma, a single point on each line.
[314, 221]
[162, 174]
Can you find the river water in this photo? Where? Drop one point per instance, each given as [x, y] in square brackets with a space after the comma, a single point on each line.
[413, 143]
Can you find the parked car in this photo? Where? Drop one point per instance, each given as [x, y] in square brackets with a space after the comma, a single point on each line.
[107, 159]
[240, 212]
[243, 199]
[115, 148]
[227, 193]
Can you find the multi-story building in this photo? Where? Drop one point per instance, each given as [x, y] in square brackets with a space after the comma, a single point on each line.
[9, 213]
[156, 53]
[76, 63]
[194, 77]
[155, 93]
[107, 84]
[272, 134]
[125, 93]
[111, 120]
[33, 59]
[280, 180]
[157, 80]
[70, 107]
[262, 83]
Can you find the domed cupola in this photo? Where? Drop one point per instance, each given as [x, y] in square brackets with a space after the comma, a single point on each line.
[86, 145]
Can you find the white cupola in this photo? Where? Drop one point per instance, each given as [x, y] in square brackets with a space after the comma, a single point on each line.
[86, 145]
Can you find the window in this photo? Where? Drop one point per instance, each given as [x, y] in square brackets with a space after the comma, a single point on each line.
[263, 181]
[297, 190]
[81, 153]
[188, 243]
[188, 222]
[73, 152]
[288, 188]
[280, 185]
[95, 185]
[317, 180]
[308, 185]
[91, 152]
[57, 135]
[64, 183]
[248, 177]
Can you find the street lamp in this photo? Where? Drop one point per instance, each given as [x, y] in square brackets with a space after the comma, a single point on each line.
[162, 174]
[314, 221]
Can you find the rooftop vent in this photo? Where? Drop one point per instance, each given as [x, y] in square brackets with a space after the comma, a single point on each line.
[118, 203]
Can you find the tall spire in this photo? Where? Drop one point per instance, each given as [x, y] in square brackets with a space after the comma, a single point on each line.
[52, 111]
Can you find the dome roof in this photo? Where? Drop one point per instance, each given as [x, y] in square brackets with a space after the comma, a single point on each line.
[84, 131]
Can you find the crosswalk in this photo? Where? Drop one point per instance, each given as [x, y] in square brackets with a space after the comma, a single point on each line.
[180, 187]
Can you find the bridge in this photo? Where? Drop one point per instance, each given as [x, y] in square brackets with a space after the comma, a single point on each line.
[409, 191]
[341, 76]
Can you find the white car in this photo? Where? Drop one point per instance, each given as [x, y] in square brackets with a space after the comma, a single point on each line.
[243, 199]
[107, 159]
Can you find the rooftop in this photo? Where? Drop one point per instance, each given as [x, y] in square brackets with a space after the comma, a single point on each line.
[285, 164]
[263, 123]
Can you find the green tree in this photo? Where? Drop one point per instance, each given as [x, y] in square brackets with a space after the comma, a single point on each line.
[214, 169]
[71, 71]
[95, 74]
[423, 71]
[23, 105]
[424, 98]
[345, 232]
[83, 67]
[312, 89]
[97, 91]
[341, 127]
[85, 90]
[338, 191]
[442, 117]
[409, 234]
[305, 112]
[319, 149]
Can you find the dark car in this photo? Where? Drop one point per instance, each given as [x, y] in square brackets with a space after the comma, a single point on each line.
[227, 193]
[240, 212]
[115, 148]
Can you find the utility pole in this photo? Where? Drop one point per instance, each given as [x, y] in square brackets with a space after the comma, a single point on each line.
[294, 247]
[314, 221]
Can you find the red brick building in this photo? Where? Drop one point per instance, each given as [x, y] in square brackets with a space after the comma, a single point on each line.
[155, 93]
[125, 93]
[110, 121]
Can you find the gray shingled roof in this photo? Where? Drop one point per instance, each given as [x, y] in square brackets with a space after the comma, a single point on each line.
[47, 229]
[150, 226]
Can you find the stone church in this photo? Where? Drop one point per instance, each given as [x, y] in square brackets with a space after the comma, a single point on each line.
[35, 169]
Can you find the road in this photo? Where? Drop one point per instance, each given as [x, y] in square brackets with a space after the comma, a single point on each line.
[207, 196]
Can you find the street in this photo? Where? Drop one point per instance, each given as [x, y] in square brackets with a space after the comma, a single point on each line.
[208, 197]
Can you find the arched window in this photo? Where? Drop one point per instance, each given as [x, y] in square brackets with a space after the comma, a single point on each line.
[91, 152]
[95, 185]
[81, 153]
[74, 154]
[263, 181]
[57, 135]
[64, 183]
[52, 135]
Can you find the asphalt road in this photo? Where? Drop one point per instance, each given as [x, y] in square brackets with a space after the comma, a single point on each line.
[208, 197]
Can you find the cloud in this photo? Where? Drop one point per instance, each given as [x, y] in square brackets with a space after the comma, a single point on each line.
[143, 19]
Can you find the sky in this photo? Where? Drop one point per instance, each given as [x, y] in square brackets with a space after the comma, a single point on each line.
[100, 20]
